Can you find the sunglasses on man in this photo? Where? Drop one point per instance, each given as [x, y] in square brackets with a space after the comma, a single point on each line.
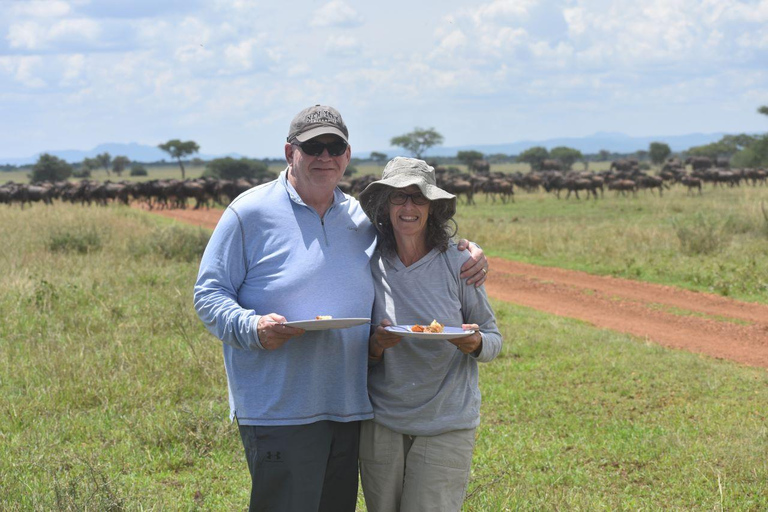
[315, 148]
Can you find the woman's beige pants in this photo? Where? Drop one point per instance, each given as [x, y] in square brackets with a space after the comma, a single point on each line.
[402, 473]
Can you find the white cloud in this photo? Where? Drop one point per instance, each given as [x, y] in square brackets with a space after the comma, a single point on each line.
[453, 41]
[40, 8]
[341, 45]
[336, 14]
[242, 56]
[39, 36]
[502, 11]
[73, 69]
[27, 70]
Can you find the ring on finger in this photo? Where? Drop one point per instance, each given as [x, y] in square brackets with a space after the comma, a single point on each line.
[484, 271]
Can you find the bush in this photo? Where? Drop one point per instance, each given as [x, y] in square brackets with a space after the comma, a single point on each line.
[82, 240]
[50, 168]
[705, 235]
[230, 169]
[139, 170]
[178, 243]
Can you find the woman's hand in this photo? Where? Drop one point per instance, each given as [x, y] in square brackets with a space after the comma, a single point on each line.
[471, 343]
[475, 269]
[382, 339]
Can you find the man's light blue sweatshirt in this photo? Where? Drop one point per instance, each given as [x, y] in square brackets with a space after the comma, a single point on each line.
[272, 253]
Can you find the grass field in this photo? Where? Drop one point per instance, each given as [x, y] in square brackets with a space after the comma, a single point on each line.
[114, 396]
[717, 242]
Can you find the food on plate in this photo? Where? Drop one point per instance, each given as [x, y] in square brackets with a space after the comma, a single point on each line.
[323, 317]
[434, 328]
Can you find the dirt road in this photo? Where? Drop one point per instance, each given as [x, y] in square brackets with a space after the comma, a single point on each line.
[671, 317]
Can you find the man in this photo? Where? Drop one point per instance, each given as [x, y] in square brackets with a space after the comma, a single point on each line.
[293, 249]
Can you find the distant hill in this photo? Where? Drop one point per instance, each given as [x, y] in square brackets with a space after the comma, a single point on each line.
[612, 142]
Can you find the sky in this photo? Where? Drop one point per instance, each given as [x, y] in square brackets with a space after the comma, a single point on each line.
[231, 74]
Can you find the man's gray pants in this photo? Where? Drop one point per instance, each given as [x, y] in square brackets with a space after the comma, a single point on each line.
[303, 467]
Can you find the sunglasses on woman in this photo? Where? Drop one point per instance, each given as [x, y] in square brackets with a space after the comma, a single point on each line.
[314, 148]
[397, 197]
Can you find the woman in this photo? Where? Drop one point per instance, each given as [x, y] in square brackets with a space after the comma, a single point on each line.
[415, 454]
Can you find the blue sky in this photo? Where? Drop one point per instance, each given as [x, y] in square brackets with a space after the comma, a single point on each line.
[230, 74]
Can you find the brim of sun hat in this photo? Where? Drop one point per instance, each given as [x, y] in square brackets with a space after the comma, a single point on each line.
[431, 192]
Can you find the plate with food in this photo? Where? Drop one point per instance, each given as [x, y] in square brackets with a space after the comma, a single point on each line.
[433, 331]
[324, 322]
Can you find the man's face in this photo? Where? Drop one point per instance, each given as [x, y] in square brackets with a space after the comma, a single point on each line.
[316, 173]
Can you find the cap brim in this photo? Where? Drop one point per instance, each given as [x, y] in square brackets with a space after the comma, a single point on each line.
[320, 130]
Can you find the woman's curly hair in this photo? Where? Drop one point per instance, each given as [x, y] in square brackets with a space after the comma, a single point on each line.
[440, 224]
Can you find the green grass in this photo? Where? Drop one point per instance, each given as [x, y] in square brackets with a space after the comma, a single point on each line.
[715, 243]
[113, 395]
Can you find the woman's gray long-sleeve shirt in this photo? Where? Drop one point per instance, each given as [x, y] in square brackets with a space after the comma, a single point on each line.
[427, 387]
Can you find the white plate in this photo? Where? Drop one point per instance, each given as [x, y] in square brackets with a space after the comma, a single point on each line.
[330, 323]
[448, 333]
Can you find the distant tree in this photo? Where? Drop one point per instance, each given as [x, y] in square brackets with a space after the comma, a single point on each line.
[87, 167]
[138, 170]
[567, 155]
[469, 157]
[713, 150]
[50, 168]
[498, 158]
[351, 170]
[90, 164]
[641, 154]
[763, 110]
[659, 152]
[229, 168]
[418, 141]
[738, 142]
[377, 157]
[104, 159]
[534, 156]
[119, 163]
[178, 150]
[604, 155]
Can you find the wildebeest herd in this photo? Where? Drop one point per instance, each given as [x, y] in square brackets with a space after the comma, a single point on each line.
[625, 177]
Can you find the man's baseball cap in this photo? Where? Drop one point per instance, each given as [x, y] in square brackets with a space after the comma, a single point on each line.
[317, 120]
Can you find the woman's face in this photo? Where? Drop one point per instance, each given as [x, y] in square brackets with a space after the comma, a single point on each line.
[409, 218]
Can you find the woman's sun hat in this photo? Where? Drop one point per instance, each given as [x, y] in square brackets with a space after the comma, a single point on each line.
[402, 172]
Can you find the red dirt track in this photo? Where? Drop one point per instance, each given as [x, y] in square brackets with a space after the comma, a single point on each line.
[675, 318]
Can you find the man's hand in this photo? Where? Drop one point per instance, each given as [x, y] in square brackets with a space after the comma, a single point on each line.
[272, 333]
[475, 269]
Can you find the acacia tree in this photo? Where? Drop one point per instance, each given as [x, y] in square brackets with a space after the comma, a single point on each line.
[119, 163]
[178, 150]
[378, 157]
[50, 168]
[469, 157]
[534, 156]
[88, 166]
[659, 151]
[418, 141]
[567, 155]
[104, 159]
